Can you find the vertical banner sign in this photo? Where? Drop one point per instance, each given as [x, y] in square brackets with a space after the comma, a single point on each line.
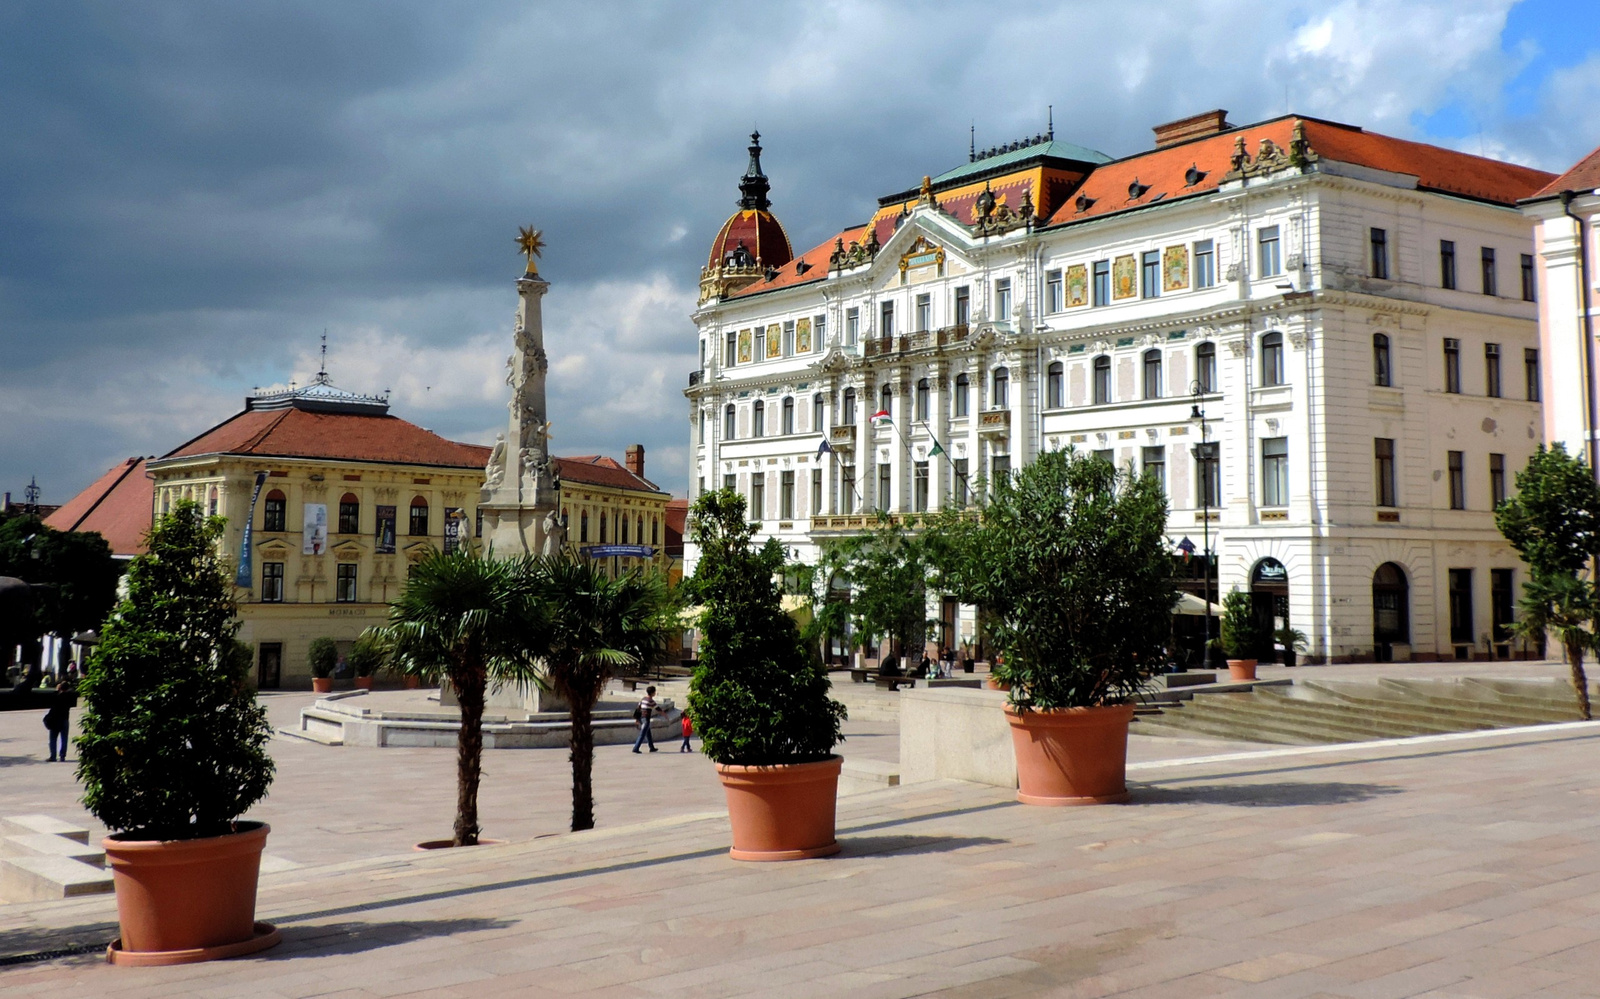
[314, 536]
[385, 530]
[453, 517]
[243, 577]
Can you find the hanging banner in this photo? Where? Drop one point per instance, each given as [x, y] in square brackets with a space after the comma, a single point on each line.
[314, 534]
[453, 516]
[243, 576]
[385, 530]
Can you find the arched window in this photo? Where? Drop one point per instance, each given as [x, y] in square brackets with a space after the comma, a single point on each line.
[819, 407]
[1152, 374]
[274, 511]
[923, 395]
[788, 414]
[847, 414]
[1205, 366]
[886, 400]
[1391, 606]
[211, 502]
[1054, 386]
[622, 530]
[758, 419]
[639, 530]
[1002, 389]
[419, 517]
[963, 399]
[1272, 359]
[730, 423]
[583, 526]
[1381, 374]
[349, 514]
[602, 527]
[1102, 380]
[655, 531]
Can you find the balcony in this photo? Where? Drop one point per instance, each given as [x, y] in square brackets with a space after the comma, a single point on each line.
[994, 421]
[842, 436]
[694, 378]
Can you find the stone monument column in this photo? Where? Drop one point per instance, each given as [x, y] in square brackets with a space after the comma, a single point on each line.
[521, 500]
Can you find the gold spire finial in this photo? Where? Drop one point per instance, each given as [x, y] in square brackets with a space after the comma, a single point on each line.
[530, 241]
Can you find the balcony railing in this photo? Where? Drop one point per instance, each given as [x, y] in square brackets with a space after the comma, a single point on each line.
[842, 436]
[994, 421]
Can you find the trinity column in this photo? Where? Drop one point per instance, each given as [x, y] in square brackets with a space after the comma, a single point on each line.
[521, 490]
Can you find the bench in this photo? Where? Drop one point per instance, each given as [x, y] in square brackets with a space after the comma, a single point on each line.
[861, 675]
[895, 682]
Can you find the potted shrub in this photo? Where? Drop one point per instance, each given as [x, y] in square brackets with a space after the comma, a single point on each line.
[323, 656]
[1070, 564]
[1293, 641]
[1240, 636]
[759, 697]
[365, 658]
[173, 751]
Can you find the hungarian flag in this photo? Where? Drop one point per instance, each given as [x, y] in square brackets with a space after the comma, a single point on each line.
[881, 418]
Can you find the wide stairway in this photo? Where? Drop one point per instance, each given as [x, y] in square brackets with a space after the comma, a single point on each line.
[1325, 711]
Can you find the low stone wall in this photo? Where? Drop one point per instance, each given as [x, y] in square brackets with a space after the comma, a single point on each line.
[956, 733]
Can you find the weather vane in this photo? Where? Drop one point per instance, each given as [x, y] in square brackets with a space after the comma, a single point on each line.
[530, 241]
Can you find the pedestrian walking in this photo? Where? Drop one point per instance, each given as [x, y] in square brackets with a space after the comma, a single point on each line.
[56, 721]
[642, 714]
[688, 730]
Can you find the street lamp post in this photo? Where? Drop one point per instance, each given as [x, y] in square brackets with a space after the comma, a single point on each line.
[1202, 455]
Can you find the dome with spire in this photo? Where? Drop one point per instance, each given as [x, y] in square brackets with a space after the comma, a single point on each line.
[752, 240]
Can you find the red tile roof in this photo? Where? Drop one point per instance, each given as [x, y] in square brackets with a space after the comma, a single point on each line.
[1583, 177]
[118, 506]
[299, 433]
[677, 516]
[598, 470]
[814, 259]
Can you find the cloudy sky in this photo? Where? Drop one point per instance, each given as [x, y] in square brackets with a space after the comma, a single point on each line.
[190, 193]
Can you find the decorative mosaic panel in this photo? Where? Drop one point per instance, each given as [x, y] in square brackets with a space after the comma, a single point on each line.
[774, 341]
[1175, 269]
[1124, 277]
[802, 336]
[744, 346]
[1077, 285]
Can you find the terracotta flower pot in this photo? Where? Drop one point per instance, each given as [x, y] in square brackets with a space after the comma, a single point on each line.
[783, 812]
[363, 683]
[188, 900]
[1241, 669]
[413, 682]
[992, 684]
[1071, 756]
[322, 684]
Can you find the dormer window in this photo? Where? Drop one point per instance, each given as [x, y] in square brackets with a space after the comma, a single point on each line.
[1193, 175]
[1084, 202]
[1136, 190]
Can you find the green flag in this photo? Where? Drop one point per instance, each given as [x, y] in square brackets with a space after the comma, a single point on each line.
[936, 449]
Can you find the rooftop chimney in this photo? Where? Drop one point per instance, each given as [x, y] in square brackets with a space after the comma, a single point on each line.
[1192, 127]
[633, 457]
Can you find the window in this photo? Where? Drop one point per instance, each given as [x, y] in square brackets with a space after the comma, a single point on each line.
[1054, 397]
[1379, 241]
[1000, 465]
[1527, 287]
[1381, 375]
[923, 396]
[919, 486]
[1102, 282]
[788, 414]
[655, 531]
[1452, 364]
[344, 584]
[847, 489]
[758, 419]
[852, 326]
[883, 486]
[788, 338]
[963, 399]
[1002, 300]
[786, 495]
[1487, 262]
[1497, 479]
[1205, 366]
[847, 409]
[730, 345]
[583, 518]
[886, 319]
[272, 582]
[1150, 274]
[274, 512]
[1106, 455]
[349, 514]
[730, 423]
[1208, 474]
[419, 517]
[1002, 389]
[1102, 380]
[1205, 264]
[1461, 607]
[1455, 460]
[1383, 456]
[1530, 373]
[959, 466]
[1152, 374]
[886, 400]
[1272, 359]
[1491, 370]
[1502, 604]
[1267, 252]
[816, 491]
[924, 313]
[1153, 463]
[761, 343]
[758, 495]
[703, 426]
[602, 537]
[819, 413]
[819, 333]
[1053, 298]
[1275, 471]
[1447, 263]
[963, 310]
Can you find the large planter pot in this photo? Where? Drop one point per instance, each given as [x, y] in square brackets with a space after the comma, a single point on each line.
[783, 812]
[188, 900]
[1241, 669]
[363, 683]
[1071, 756]
[322, 684]
[413, 682]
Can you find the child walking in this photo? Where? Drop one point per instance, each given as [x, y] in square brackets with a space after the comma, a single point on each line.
[688, 730]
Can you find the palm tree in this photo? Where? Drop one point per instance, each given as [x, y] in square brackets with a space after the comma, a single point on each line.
[587, 626]
[1565, 605]
[463, 615]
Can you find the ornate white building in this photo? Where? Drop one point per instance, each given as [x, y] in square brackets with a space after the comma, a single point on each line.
[1353, 314]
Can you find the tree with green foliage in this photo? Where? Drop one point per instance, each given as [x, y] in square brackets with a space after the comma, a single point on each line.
[889, 586]
[366, 656]
[75, 573]
[1240, 634]
[758, 697]
[322, 656]
[586, 626]
[1565, 606]
[174, 742]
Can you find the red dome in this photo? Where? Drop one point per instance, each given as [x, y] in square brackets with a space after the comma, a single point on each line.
[761, 234]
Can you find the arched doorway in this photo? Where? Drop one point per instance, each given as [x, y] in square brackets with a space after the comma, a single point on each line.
[1391, 611]
[1269, 599]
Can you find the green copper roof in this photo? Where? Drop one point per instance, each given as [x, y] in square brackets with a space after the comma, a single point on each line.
[1049, 147]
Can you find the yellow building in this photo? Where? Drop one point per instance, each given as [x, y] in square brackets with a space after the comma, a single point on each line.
[612, 512]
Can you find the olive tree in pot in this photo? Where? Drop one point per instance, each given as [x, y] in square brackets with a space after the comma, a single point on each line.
[322, 657]
[759, 696]
[173, 751]
[1240, 634]
[1069, 560]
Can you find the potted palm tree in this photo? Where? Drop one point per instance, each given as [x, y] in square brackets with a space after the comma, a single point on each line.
[322, 657]
[759, 697]
[1069, 561]
[1293, 641]
[1240, 635]
[173, 751]
[365, 658]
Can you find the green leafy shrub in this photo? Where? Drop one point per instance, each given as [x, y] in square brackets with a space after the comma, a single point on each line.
[759, 697]
[174, 743]
[323, 656]
[1241, 636]
[366, 656]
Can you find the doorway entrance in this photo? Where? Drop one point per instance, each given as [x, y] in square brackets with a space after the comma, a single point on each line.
[1391, 611]
[269, 667]
[1269, 602]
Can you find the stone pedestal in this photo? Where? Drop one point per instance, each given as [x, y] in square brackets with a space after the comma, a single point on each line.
[956, 734]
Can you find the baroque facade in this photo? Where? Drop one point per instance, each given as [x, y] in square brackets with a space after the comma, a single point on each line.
[1352, 313]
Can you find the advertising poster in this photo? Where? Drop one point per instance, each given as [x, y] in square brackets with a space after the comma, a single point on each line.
[452, 529]
[243, 576]
[314, 533]
[385, 530]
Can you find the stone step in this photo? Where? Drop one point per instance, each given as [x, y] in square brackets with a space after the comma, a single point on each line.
[1399, 717]
[40, 879]
[1319, 723]
[320, 737]
[46, 845]
[858, 775]
[1184, 721]
[20, 825]
[1471, 711]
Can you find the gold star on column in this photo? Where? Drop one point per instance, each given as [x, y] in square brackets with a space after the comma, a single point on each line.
[530, 241]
